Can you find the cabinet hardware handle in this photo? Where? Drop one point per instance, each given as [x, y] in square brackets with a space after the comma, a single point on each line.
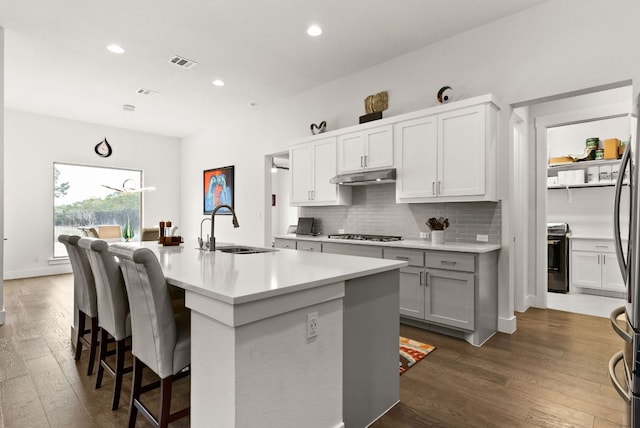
[439, 189]
[313, 195]
[602, 246]
[361, 161]
[420, 282]
[402, 258]
[365, 160]
[604, 259]
[426, 279]
[433, 187]
[598, 258]
[447, 262]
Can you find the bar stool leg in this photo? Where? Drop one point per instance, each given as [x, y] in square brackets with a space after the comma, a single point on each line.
[136, 385]
[93, 345]
[102, 357]
[81, 323]
[119, 372]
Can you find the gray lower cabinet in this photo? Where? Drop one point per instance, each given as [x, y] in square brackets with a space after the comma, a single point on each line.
[449, 292]
[412, 297]
[285, 243]
[309, 246]
[352, 250]
[449, 298]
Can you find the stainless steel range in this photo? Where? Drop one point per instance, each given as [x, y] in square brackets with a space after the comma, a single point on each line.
[362, 237]
[558, 256]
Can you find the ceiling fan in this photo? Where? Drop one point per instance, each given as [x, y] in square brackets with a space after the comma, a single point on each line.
[129, 188]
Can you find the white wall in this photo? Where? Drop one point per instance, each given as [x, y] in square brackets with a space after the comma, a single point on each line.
[2, 313]
[546, 50]
[33, 142]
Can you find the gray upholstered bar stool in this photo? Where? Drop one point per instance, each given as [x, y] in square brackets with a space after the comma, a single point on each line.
[84, 290]
[161, 337]
[113, 308]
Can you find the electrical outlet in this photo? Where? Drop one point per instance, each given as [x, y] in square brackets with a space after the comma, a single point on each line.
[312, 324]
[423, 235]
[482, 238]
[340, 231]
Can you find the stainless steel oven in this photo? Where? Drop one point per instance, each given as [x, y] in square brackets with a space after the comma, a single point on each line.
[558, 257]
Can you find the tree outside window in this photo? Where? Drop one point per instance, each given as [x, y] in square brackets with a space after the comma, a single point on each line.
[81, 200]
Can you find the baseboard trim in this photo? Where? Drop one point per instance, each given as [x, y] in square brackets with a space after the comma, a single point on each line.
[507, 325]
[44, 271]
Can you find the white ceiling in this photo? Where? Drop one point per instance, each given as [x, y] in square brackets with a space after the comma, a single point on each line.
[56, 62]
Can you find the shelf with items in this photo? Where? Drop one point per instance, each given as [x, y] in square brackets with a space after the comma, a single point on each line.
[595, 173]
[582, 164]
[582, 185]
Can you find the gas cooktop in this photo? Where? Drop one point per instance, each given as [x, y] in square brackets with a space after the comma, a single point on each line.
[362, 237]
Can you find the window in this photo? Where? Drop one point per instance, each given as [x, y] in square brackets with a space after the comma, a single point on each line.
[82, 200]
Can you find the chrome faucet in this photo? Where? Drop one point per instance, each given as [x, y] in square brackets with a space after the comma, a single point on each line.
[203, 244]
[212, 239]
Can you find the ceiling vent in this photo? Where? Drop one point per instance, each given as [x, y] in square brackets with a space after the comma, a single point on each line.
[182, 62]
[147, 92]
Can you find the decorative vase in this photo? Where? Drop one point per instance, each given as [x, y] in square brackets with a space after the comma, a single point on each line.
[127, 232]
[437, 237]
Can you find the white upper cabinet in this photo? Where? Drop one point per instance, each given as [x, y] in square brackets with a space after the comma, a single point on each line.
[313, 164]
[367, 149]
[448, 156]
[417, 157]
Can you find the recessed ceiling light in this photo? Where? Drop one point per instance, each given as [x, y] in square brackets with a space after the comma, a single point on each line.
[218, 82]
[314, 30]
[115, 49]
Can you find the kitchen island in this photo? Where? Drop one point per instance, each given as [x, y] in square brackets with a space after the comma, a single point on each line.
[252, 362]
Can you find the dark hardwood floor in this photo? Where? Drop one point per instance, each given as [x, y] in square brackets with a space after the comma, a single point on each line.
[551, 373]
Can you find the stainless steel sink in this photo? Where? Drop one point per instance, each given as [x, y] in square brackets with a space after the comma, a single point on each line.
[244, 250]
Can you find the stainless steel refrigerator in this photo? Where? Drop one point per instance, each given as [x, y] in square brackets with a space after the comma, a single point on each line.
[626, 319]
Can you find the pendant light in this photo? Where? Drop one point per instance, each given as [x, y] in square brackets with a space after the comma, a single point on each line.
[129, 185]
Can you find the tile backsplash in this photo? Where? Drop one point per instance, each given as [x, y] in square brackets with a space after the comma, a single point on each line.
[374, 211]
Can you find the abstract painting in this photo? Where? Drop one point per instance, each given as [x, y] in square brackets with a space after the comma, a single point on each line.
[218, 189]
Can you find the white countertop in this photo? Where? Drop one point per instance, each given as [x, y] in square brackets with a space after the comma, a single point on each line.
[405, 243]
[242, 278]
[602, 237]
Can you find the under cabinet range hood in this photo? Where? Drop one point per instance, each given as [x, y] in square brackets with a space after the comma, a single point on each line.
[365, 177]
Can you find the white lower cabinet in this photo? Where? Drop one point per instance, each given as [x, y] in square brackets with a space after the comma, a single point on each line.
[594, 265]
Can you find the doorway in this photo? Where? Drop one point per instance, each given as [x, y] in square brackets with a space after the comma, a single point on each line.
[586, 214]
[280, 215]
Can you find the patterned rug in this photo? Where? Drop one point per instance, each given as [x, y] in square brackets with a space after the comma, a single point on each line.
[412, 351]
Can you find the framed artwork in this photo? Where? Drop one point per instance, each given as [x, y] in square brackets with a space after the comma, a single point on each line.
[217, 189]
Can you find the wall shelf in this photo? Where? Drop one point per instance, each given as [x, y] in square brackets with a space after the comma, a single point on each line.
[582, 164]
[582, 185]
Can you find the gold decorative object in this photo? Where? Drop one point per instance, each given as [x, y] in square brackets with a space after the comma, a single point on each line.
[376, 103]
